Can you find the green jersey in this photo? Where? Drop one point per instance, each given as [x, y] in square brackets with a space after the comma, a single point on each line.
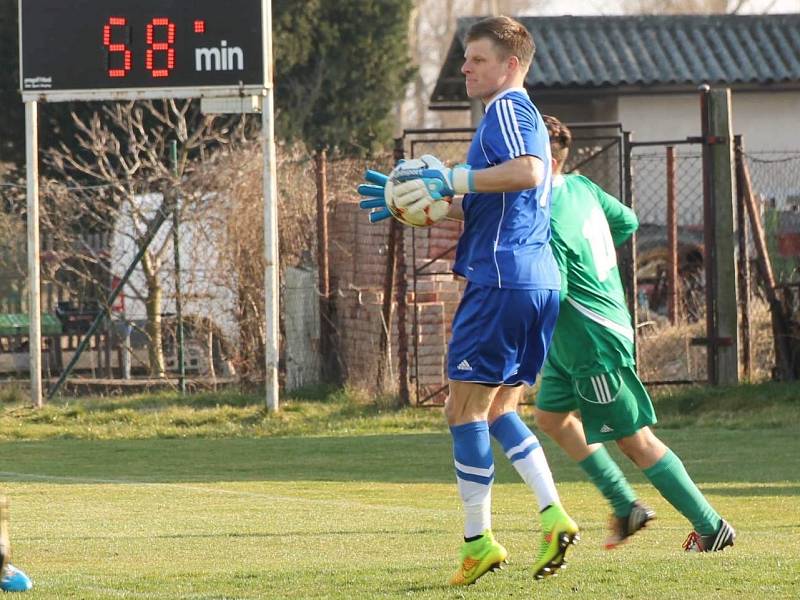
[594, 333]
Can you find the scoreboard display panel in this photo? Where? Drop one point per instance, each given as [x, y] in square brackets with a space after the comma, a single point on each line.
[127, 49]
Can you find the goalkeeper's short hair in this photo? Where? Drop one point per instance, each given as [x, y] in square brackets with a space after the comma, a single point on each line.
[508, 35]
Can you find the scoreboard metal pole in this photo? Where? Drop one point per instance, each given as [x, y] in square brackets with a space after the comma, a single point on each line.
[271, 260]
[34, 298]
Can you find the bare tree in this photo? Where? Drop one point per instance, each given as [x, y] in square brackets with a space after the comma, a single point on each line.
[233, 178]
[12, 239]
[117, 168]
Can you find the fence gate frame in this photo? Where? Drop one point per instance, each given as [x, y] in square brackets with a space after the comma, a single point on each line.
[629, 266]
[724, 237]
[407, 147]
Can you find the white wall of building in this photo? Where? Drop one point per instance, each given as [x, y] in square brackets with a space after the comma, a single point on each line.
[204, 290]
[769, 121]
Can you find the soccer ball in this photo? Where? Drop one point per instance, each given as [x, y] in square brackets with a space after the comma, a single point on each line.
[433, 213]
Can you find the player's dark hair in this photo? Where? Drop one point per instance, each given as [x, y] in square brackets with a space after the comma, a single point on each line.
[560, 138]
[508, 35]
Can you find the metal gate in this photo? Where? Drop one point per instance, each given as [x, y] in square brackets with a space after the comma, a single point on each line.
[597, 152]
[665, 187]
[687, 283]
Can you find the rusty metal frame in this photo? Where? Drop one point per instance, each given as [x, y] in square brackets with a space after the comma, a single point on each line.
[615, 139]
[669, 147]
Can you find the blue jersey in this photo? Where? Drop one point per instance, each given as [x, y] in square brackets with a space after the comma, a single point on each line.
[506, 236]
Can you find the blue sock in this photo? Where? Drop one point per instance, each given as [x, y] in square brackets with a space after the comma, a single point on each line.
[525, 452]
[474, 463]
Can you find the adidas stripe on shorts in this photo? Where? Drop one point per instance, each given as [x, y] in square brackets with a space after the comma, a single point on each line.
[613, 405]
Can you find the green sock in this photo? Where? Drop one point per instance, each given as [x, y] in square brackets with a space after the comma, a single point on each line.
[669, 476]
[608, 478]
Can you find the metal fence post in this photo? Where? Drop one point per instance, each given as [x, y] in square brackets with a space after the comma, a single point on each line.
[34, 276]
[402, 294]
[385, 346]
[744, 264]
[629, 252]
[673, 306]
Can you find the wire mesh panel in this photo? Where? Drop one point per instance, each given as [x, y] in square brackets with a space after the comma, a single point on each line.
[776, 182]
[596, 152]
[775, 179]
[662, 196]
[435, 291]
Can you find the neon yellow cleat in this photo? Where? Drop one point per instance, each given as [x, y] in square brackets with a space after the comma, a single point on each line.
[559, 532]
[478, 558]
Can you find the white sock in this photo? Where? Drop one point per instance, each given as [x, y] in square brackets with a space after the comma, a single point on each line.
[524, 451]
[477, 500]
[535, 471]
[474, 465]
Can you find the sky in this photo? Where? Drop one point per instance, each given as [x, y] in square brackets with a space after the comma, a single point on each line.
[610, 7]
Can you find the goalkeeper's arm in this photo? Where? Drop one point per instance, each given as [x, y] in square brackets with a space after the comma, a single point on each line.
[456, 212]
[521, 173]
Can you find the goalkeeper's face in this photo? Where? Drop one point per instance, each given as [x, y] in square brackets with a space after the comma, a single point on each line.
[487, 71]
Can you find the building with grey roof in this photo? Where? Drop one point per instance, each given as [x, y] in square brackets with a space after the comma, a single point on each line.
[643, 71]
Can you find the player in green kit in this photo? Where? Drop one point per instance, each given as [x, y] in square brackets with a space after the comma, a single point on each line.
[590, 367]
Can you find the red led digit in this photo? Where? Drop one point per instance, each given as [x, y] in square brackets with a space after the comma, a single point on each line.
[199, 26]
[162, 46]
[117, 70]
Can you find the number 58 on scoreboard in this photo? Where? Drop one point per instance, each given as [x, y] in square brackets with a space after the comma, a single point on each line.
[128, 49]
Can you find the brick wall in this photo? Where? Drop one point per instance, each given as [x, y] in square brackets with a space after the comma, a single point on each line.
[358, 268]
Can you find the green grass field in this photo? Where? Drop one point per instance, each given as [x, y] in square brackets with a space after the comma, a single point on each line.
[160, 497]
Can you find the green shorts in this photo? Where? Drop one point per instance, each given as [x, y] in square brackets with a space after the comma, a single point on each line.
[612, 405]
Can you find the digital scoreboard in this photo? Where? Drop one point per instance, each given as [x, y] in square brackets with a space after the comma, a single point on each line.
[128, 49]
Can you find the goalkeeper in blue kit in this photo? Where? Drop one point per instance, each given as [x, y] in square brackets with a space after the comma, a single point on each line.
[505, 319]
[590, 367]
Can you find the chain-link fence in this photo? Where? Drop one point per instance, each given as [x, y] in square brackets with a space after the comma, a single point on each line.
[776, 182]
[91, 233]
[667, 348]
[670, 346]
[667, 189]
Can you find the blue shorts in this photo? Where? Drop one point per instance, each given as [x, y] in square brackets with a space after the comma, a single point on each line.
[501, 336]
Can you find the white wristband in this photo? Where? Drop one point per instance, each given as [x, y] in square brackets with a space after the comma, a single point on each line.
[463, 180]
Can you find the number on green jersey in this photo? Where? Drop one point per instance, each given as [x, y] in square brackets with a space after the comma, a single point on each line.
[596, 232]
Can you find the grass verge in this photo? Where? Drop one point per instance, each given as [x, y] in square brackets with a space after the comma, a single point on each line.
[325, 411]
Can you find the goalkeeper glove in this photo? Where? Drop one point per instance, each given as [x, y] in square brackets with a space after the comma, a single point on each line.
[380, 202]
[417, 186]
[375, 200]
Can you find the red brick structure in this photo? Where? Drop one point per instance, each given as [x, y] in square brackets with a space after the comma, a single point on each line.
[358, 252]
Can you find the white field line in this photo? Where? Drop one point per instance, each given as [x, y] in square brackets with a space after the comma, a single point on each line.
[117, 593]
[349, 504]
[120, 593]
